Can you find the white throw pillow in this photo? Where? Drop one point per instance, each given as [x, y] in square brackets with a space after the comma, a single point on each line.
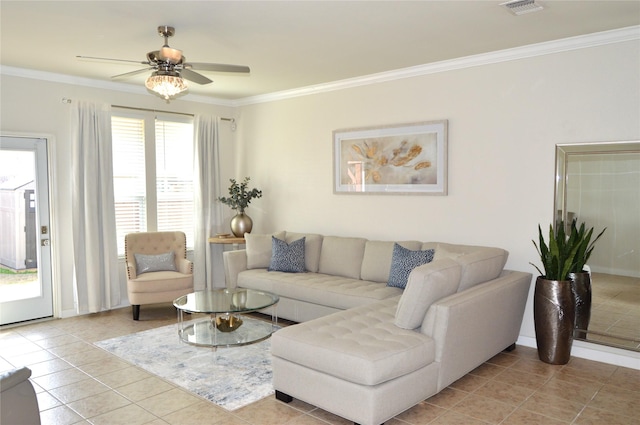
[434, 281]
[259, 249]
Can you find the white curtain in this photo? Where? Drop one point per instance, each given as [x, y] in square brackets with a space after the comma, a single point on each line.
[95, 253]
[208, 213]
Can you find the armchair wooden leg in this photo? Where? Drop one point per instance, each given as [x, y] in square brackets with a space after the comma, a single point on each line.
[136, 312]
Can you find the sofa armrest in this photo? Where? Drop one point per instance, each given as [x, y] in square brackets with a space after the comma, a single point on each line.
[131, 271]
[13, 377]
[234, 263]
[474, 325]
[184, 266]
[18, 400]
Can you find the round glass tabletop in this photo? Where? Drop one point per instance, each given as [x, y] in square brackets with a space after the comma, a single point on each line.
[227, 326]
[225, 301]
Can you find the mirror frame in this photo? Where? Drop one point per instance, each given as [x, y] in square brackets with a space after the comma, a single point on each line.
[563, 154]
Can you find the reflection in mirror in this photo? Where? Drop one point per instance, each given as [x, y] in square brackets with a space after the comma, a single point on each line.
[599, 184]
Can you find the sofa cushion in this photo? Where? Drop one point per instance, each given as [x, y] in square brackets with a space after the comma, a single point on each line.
[442, 252]
[376, 262]
[164, 281]
[287, 257]
[155, 263]
[403, 262]
[435, 281]
[258, 249]
[479, 263]
[341, 256]
[332, 291]
[360, 345]
[312, 247]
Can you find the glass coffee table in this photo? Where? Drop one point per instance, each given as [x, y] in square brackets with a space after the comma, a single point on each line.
[227, 324]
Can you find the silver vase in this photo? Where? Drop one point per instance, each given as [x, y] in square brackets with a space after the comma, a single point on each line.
[554, 319]
[241, 224]
[581, 287]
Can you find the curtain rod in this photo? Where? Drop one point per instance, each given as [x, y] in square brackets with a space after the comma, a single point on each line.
[232, 120]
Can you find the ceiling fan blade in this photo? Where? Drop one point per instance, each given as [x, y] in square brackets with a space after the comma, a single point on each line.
[112, 60]
[132, 73]
[195, 77]
[217, 67]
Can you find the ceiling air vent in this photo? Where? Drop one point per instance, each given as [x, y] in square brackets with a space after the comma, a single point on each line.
[520, 7]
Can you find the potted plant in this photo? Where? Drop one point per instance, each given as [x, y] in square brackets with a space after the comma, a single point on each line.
[240, 197]
[553, 299]
[581, 278]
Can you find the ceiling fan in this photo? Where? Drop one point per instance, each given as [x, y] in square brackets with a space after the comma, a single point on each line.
[170, 64]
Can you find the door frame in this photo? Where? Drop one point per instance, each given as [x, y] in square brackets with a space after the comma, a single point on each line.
[54, 222]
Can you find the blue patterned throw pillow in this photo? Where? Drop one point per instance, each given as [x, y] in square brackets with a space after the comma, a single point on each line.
[403, 261]
[287, 257]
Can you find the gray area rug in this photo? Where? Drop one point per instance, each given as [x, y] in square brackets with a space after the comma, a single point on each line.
[229, 377]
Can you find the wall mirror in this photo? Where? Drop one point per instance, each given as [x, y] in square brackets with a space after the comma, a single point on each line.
[599, 184]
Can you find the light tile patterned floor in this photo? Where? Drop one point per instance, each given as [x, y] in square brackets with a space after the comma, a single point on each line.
[79, 383]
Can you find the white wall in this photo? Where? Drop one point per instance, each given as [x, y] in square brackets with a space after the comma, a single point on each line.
[34, 107]
[504, 122]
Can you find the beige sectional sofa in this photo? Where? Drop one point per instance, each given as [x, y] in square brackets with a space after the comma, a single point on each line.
[366, 351]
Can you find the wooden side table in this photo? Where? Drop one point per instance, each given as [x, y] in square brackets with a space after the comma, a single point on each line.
[227, 241]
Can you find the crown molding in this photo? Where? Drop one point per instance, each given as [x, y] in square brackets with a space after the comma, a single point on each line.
[101, 84]
[540, 49]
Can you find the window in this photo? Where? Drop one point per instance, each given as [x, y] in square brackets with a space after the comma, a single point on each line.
[152, 174]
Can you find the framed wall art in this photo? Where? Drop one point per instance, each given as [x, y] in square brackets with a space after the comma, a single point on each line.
[399, 159]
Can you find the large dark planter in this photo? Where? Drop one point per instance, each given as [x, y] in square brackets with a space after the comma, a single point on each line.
[554, 319]
[581, 286]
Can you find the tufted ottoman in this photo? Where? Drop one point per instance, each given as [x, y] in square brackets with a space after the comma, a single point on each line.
[355, 363]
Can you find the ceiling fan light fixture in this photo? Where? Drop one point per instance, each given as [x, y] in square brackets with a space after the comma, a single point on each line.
[166, 86]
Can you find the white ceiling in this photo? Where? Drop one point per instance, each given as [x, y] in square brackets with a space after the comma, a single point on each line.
[287, 44]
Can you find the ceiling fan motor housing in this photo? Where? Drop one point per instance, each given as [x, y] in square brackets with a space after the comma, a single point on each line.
[166, 55]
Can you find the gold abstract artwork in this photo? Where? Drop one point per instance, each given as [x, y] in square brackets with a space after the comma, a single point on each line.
[390, 160]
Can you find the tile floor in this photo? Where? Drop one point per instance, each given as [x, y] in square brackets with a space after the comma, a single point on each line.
[79, 383]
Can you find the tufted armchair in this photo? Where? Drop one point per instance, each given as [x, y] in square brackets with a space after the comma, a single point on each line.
[157, 268]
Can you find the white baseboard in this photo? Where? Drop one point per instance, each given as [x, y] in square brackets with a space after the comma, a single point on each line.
[68, 313]
[73, 313]
[596, 352]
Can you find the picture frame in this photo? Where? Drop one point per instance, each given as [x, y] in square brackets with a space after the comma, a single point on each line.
[407, 159]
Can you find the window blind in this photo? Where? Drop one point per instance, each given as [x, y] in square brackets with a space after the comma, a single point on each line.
[148, 148]
[174, 177]
[128, 177]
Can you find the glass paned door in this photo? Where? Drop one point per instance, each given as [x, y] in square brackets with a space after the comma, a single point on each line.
[25, 250]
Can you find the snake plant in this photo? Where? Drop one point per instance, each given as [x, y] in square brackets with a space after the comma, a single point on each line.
[564, 253]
